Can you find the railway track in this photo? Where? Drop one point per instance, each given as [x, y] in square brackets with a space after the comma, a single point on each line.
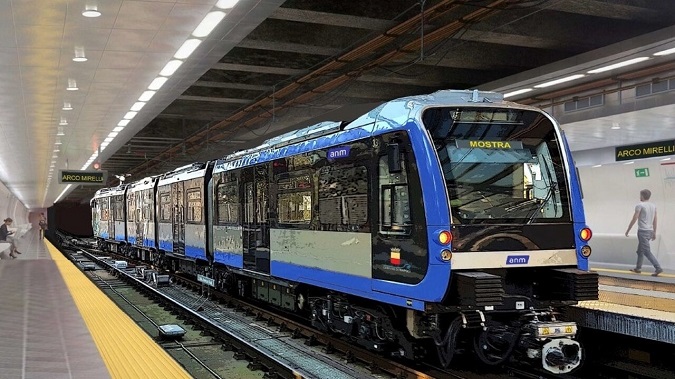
[209, 311]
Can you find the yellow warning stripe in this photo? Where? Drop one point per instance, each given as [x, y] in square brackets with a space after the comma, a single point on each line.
[127, 350]
[643, 273]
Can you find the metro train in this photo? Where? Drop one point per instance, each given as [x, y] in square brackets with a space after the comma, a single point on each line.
[432, 225]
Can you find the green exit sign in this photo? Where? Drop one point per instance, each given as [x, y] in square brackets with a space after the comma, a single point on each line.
[641, 172]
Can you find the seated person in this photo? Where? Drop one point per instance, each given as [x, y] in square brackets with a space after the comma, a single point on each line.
[5, 235]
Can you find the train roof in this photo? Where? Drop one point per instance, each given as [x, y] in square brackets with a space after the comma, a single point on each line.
[394, 112]
[111, 191]
[145, 183]
[190, 171]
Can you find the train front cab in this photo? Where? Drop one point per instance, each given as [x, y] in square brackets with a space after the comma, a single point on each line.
[519, 239]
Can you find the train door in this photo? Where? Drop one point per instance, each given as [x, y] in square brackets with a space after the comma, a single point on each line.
[256, 227]
[178, 221]
[399, 241]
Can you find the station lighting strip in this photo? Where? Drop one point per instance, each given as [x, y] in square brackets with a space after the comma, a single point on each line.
[208, 24]
[593, 71]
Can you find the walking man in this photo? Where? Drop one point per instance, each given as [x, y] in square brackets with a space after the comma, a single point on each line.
[645, 215]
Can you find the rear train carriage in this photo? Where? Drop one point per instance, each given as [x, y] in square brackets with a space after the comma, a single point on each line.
[108, 217]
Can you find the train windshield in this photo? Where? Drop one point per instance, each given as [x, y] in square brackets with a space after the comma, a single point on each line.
[501, 165]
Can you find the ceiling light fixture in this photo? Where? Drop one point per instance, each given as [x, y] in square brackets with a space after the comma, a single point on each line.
[91, 10]
[67, 107]
[187, 48]
[63, 122]
[130, 115]
[631, 162]
[208, 24]
[112, 134]
[597, 165]
[72, 85]
[123, 123]
[147, 95]
[617, 65]
[665, 52]
[60, 132]
[118, 129]
[666, 159]
[517, 92]
[137, 106]
[157, 83]
[171, 67]
[58, 142]
[558, 81]
[79, 55]
[226, 4]
[56, 150]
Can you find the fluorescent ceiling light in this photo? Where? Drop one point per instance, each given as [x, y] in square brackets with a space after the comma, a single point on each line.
[187, 48]
[119, 128]
[108, 139]
[171, 67]
[60, 132]
[226, 4]
[208, 24]
[598, 165]
[617, 65]
[137, 106]
[147, 95]
[558, 81]
[665, 52]
[91, 10]
[629, 162]
[517, 92]
[56, 150]
[55, 156]
[79, 55]
[665, 159]
[58, 142]
[104, 145]
[72, 85]
[157, 83]
[112, 134]
[123, 123]
[67, 107]
[130, 115]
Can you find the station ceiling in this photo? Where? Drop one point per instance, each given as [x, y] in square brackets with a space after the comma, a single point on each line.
[267, 67]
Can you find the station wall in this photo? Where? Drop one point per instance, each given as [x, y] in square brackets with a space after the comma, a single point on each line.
[11, 206]
[610, 195]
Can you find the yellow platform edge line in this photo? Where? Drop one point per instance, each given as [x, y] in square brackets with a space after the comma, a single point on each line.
[662, 275]
[126, 349]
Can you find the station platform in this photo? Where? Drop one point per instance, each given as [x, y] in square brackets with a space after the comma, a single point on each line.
[638, 305]
[57, 324]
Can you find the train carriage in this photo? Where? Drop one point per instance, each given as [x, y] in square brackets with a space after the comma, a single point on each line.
[429, 224]
[109, 217]
[181, 215]
[141, 224]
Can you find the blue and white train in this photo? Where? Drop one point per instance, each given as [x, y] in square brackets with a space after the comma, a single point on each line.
[429, 223]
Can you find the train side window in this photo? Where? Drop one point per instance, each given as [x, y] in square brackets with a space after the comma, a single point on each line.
[165, 207]
[118, 208]
[395, 215]
[194, 205]
[131, 206]
[343, 198]
[227, 203]
[104, 210]
[294, 199]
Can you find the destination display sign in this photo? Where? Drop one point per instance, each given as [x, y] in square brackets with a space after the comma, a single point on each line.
[206, 280]
[487, 144]
[83, 177]
[645, 150]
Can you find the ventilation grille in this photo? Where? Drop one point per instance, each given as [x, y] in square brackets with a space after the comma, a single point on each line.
[654, 87]
[584, 103]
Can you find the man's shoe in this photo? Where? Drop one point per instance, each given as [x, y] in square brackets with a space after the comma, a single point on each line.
[635, 270]
[657, 272]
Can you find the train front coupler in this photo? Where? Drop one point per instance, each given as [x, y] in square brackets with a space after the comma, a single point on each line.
[552, 343]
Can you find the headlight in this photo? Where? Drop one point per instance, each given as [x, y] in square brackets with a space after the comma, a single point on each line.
[586, 251]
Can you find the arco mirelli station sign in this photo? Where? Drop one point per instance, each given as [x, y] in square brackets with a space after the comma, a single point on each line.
[644, 150]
